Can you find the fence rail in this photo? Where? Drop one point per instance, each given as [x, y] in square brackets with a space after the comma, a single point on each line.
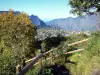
[35, 59]
[27, 67]
[78, 42]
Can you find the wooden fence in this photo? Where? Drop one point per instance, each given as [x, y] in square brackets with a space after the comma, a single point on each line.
[34, 60]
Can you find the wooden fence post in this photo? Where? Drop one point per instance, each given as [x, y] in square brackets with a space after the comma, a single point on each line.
[18, 69]
[45, 59]
[41, 62]
[23, 63]
[27, 67]
[52, 57]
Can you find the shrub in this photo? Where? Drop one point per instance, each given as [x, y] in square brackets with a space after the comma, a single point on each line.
[89, 62]
[16, 40]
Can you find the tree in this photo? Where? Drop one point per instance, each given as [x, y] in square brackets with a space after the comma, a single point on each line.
[81, 7]
[16, 40]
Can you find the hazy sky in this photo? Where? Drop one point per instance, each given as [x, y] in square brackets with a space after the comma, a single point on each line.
[44, 9]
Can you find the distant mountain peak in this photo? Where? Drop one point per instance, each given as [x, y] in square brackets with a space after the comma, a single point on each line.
[35, 20]
[39, 23]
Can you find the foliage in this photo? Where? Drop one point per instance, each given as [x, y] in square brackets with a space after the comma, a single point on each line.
[33, 71]
[63, 47]
[53, 42]
[88, 63]
[87, 6]
[16, 40]
[36, 70]
[74, 58]
[46, 71]
[49, 42]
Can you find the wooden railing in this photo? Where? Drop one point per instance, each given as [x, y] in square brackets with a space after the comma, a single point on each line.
[34, 60]
[78, 42]
[27, 67]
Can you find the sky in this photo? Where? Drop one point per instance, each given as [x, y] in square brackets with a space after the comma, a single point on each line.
[44, 9]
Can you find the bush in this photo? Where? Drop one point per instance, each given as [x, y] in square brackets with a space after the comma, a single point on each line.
[89, 62]
[16, 40]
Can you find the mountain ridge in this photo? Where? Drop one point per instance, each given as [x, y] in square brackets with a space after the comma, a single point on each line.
[34, 18]
[87, 22]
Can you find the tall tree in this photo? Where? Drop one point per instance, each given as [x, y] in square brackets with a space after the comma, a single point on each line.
[81, 7]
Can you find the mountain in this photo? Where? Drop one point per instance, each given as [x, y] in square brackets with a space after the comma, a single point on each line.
[39, 23]
[35, 20]
[87, 22]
